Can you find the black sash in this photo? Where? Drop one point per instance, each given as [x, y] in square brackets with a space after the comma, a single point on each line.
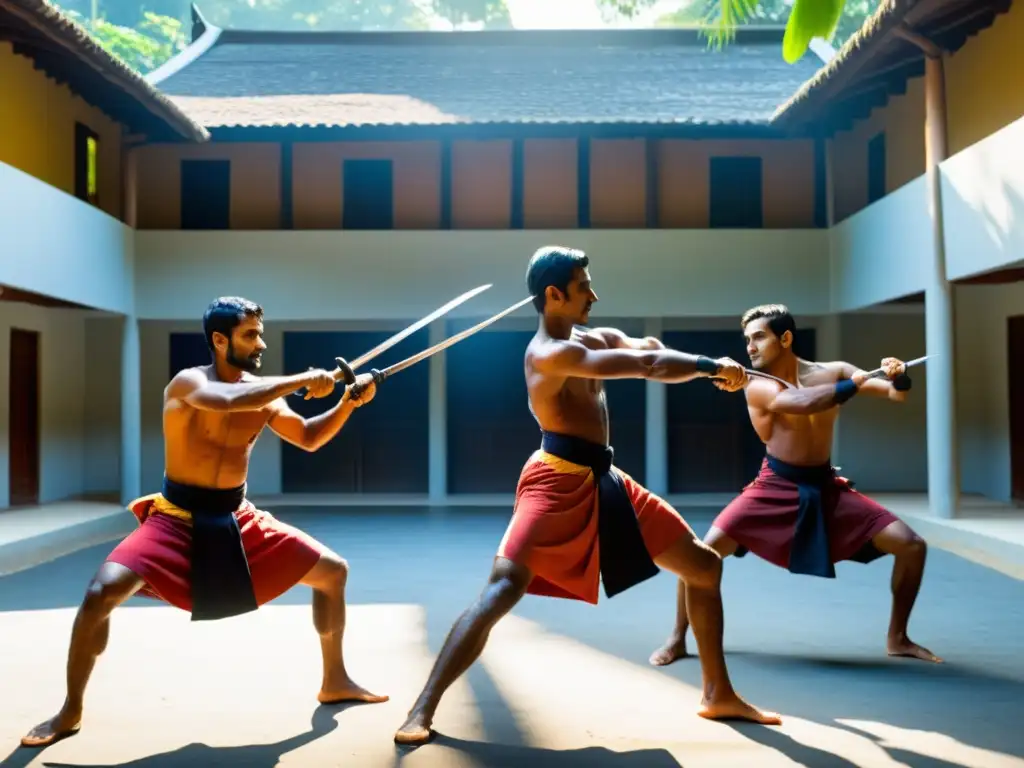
[221, 582]
[810, 554]
[625, 561]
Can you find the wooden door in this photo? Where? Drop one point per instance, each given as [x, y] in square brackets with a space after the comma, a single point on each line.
[1015, 367]
[23, 450]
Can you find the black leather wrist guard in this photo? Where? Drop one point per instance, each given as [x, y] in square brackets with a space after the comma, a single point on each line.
[845, 389]
[707, 365]
[902, 383]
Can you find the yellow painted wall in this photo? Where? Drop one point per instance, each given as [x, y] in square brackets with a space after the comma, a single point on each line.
[37, 130]
[985, 81]
[902, 120]
[255, 183]
[684, 169]
[318, 181]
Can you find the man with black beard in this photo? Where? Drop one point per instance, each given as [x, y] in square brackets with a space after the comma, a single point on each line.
[201, 545]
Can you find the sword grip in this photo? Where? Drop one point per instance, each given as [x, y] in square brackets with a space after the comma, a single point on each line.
[356, 391]
[344, 372]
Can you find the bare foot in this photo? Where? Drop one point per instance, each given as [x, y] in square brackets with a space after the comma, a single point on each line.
[673, 650]
[347, 691]
[732, 707]
[907, 647]
[65, 724]
[416, 730]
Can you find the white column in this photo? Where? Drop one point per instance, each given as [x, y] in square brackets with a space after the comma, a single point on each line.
[943, 466]
[131, 411]
[438, 418]
[656, 425]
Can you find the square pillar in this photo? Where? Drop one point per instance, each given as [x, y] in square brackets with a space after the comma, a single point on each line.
[131, 411]
[943, 463]
[437, 459]
[656, 424]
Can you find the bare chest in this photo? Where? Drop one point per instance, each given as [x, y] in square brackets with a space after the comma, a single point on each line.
[229, 430]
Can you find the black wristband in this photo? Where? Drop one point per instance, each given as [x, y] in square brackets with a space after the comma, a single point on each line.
[902, 383]
[845, 389]
[706, 365]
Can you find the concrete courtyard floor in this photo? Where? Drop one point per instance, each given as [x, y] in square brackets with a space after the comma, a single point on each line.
[561, 684]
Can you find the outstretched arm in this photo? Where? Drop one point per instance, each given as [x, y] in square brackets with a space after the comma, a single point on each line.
[313, 434]
[874, 387]
[765, 395]
[571, 358]
[192, 386]
[616, 339]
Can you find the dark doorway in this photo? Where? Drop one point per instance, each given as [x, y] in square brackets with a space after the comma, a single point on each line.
[384, 446]
[1015, 366]
[712, 447]
[491, 432]
[24, 418]
[188, 350]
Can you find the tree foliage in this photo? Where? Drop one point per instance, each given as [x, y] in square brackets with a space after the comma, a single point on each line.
[146, 35]
[833, 20]
[145, 47]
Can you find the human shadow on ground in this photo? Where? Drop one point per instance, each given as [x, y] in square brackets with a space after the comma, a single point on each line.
[322, 723]
[509, 756]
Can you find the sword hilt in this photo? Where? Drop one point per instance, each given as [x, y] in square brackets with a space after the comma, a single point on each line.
[344, 372]
[356, 391]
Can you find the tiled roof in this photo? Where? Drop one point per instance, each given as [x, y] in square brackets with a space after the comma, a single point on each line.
[877, 49]
[65, 50]
[234, 78]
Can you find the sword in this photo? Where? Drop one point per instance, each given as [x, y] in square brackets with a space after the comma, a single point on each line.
[346, 370]
[909, 364]
[379, 376]
[876, 373]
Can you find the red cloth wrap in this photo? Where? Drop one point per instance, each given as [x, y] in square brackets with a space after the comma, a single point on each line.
[763, 517]
[279, 555]
[553, 530]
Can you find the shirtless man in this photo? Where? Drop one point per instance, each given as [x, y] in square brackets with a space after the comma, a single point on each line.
[557, 544]
[201, 546]
[797, 514]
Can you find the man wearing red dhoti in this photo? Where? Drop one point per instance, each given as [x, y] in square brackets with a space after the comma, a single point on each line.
[579, 520]
[797, 513]
[200, 545]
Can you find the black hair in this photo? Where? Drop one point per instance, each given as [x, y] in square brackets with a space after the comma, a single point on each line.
[779, 318]
[224, 315]
[552, 265]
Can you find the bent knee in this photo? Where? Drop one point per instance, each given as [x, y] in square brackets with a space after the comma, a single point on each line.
[102, 597]
[912, 546]
[901, 541]
[706, 569]
[330, 572]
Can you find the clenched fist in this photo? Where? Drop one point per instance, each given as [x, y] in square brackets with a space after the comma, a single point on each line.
[363, 390]
[893, 367]
[319, 383]
[731, 376]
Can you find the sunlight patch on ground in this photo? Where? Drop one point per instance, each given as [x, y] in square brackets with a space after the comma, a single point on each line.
[937, 746]
[166, 683]
[568, 695]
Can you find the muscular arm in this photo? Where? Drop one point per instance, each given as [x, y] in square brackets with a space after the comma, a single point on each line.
[616, 339]
[764, 396]
[193, 387]
[309, 434]
[873, 387]
[571, 358]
